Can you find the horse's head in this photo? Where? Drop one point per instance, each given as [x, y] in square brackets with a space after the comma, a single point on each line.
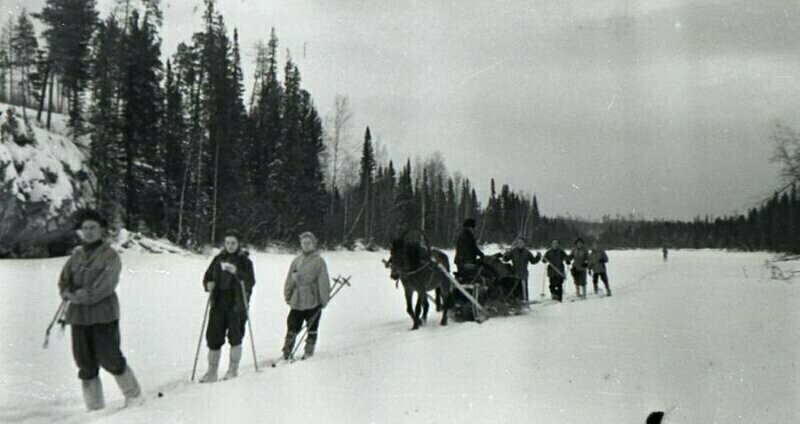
[404, 257]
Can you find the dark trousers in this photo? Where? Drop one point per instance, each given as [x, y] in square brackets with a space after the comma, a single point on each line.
[222, 322]
[95, 346]
[311, 317]
[602, 276]
[556, 288]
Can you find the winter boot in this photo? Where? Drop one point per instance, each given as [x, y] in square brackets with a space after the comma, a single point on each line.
[288, 345]
[233, 366]
[311, 342]
[213, 365]
[93, 394]
[130, 388]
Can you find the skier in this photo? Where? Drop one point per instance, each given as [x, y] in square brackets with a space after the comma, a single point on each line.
[467, 251]
[580, 264]
[664, 252]
[227, 277]
[306, 291]
[597, 267]
[520, 257]
[88, 281]
[555, 258]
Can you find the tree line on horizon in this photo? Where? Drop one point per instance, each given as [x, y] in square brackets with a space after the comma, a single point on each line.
[178, 152]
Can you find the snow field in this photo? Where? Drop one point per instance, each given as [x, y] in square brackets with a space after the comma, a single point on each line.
[701, 334]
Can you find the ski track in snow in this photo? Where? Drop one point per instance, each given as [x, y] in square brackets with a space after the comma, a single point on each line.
[694, 336]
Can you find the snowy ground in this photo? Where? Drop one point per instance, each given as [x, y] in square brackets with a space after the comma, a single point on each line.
[704, 334]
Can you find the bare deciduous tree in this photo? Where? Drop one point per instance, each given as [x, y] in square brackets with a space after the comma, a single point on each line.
[787, 153]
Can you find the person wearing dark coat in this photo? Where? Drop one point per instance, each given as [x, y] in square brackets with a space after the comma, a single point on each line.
[555, 259]
[88, 282]
[580, 265]
[467, 251]
[228, 279]
[520, 257]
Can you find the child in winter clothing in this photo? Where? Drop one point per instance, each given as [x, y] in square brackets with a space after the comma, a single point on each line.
[88, 282]
[306, 291]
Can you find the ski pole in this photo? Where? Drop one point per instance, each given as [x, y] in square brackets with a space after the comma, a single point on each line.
[341, 282]
[202, 329]
[249, 323]
[61, 307]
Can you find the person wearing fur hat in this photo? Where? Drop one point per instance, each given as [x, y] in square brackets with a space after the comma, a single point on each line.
[467, 251]
[88, 282]
[580, 265]
[306, 291]
[229, 278]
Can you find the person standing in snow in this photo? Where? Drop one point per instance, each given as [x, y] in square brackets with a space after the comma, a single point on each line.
[554, 259]
[597, 267]
[664, 252]
[520, 257]
[467, 251]
[307, 291]
[88, 282]
[580, 265]
[229, 278]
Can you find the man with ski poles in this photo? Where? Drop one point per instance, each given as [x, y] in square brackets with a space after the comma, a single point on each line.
[88, 282]
[229, 280]
[554, 259]
[307, 291]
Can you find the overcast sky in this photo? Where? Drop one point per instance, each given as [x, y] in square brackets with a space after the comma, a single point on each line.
[597, 106]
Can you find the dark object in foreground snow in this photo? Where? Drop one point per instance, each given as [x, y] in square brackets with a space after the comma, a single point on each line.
[656, 417]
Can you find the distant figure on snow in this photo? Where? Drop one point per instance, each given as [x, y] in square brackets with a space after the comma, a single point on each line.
[664, 252]
[520, 257]
[306, 291]
[554, 259]
[597, 267]
[229, 278]
[467, 250]
[580, 264]
[88, 281]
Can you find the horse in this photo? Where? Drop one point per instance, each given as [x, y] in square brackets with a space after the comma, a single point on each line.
[419, 272]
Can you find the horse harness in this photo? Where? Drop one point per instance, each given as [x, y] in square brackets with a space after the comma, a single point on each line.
[416, 271]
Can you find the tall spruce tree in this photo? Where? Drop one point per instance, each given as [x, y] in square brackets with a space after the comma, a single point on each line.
[107, 157]
[70, 25]
[366, 177]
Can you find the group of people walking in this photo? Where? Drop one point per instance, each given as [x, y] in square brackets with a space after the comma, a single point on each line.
[468, 258]
[88, 282]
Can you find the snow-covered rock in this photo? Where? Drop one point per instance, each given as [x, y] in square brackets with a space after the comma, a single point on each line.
[44, 178]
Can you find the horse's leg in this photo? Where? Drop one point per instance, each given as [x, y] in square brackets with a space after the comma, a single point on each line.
[425, 305]
[410, 309]
[438, 299]
[446, 299]
[418, 308]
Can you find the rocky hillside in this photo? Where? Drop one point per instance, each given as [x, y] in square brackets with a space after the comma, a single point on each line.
[44, 177]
